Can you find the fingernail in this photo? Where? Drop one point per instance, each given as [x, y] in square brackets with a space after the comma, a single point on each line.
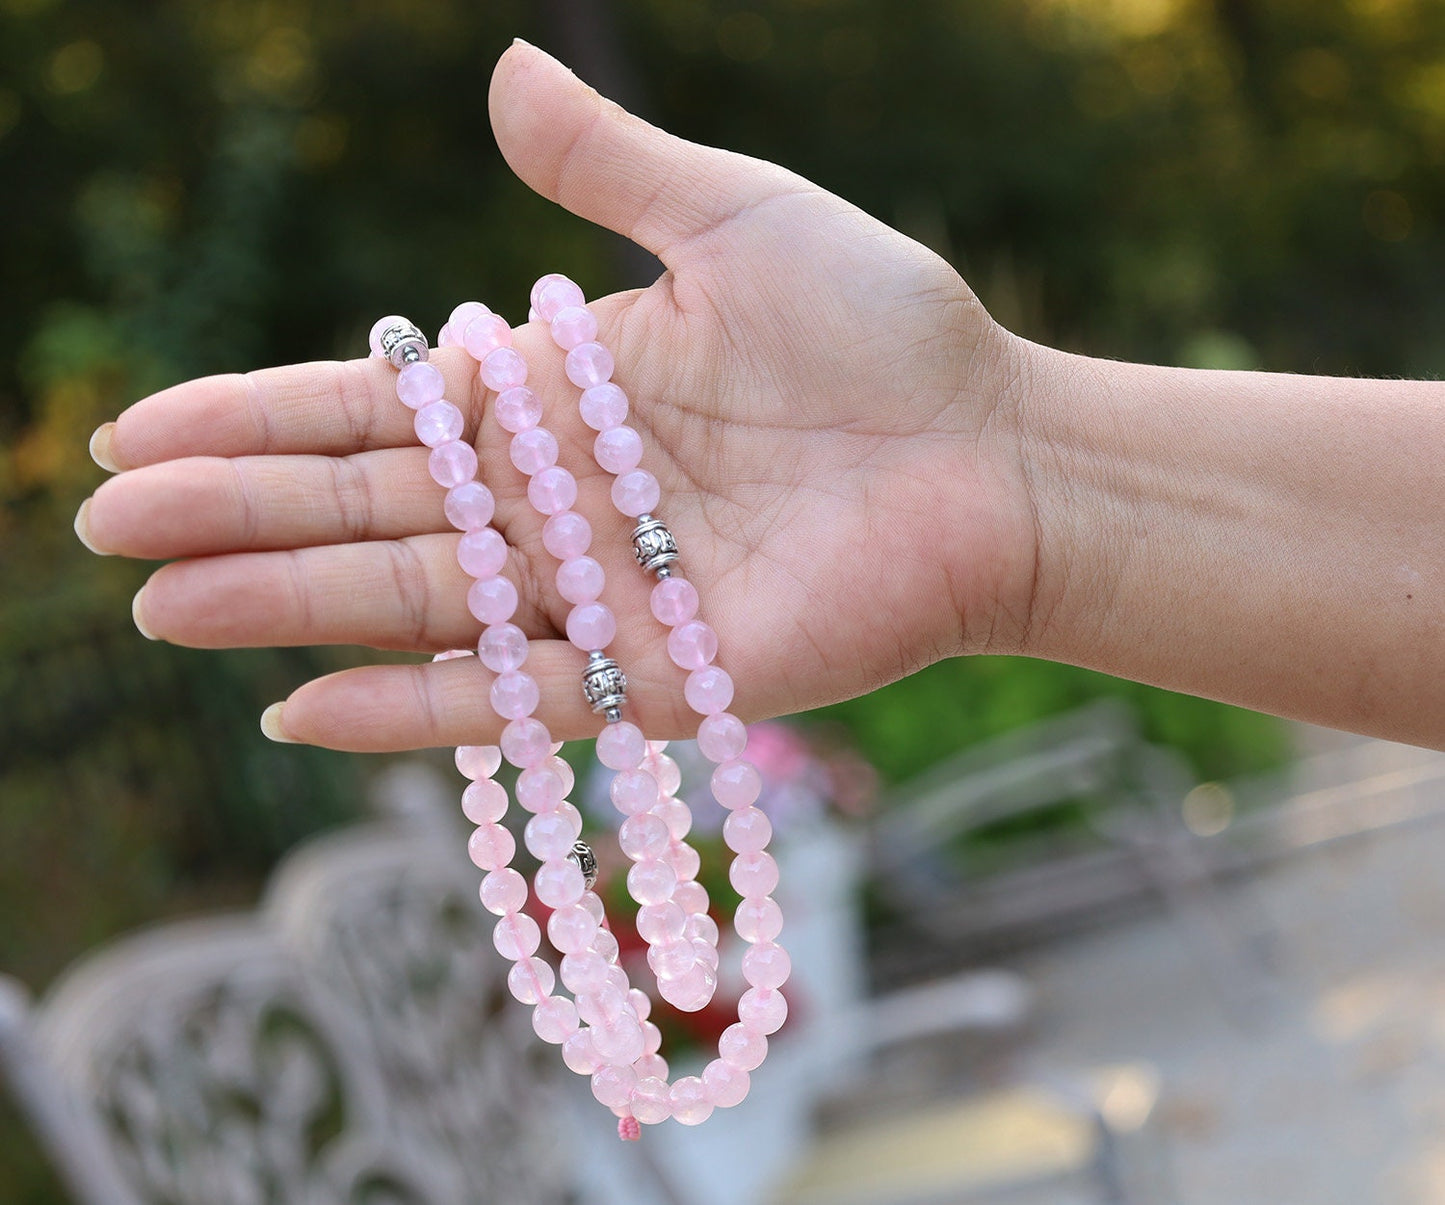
[135, 615]
[271, 725]
[82, 529]
[520, 42]
[100, 448]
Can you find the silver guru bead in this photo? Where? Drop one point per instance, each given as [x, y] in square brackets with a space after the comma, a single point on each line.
[653, 545]
[403, 343]
[604, 686]
[586, 862]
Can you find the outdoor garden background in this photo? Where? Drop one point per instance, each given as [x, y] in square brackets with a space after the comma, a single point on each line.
[199, 186]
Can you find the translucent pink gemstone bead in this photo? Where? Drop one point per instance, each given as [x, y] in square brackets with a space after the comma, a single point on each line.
[477, 761]
[578, 1054]
[589, 364]
[620, 1042]
[651, 1101]
[636, 493]
[571, 929]
[658, 923]
[526, 743]
[691, 1104]
[725, 1084]
[651, 1036]
[612, 1085]
[621, 746]
[555, 1019]
[722, 737]
[503, 368]
[753, 874]
[690, 992]
[692, 645]
[514, 695]
[444, 336]
[504, 890]
[533, 450]
[618, 449]
[706, 954]
[518, 409]
[502, 647]
[559, 883]
[641, 836]
[559, 767]
[765, 964]
[708, 690]
[576, 324]
[591, 626]
[491, 847]
[691, 898]
[742, 1047]
[552, 490]
[747, 831]
[642, 1006]
[482, 553]
[652, 881]
[531, 981]
[437, 423]
[584, 971]
[762, 1010]
[516, 936]
[470, 506]
[580, 580]
[665, 770]
[541, 789]
[492, 599]
[549, 838]
[484, 802]
[676, 815]
[701, 928]
[633, 791]
[758, 919]
[373, 340]
[553, 294]
[603, 406]
[605, 944]
[673, 601]
[651, 1065]
[672, 959]
[420, 383]
[567, 535]
[452, 463]
[684, 860]
[484, 333]
[736, 784]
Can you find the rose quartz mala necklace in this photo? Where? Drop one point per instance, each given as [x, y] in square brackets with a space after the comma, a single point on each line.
[603, 1028]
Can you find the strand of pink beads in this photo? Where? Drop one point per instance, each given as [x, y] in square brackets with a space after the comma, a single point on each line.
[604, 1030]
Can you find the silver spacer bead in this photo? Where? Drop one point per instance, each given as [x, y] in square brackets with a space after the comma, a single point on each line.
[403, 343]
[653, 545]
[586, 862]
[604, 686]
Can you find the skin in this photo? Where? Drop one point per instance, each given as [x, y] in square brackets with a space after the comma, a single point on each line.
[865, 474]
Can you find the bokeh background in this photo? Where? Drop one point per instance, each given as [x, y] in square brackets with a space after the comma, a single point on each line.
[198, 186]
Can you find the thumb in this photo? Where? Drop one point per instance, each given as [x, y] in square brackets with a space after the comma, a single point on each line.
[591, 156]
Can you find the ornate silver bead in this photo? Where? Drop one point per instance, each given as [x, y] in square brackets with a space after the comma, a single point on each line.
[604, 685]
[653, 545]
[586, 862]
[403, 343]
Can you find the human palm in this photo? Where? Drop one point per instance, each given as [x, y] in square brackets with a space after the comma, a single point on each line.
[825, 404]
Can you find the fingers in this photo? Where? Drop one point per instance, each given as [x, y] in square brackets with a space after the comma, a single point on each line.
[596, 159]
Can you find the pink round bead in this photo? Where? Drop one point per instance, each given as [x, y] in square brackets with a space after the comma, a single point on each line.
[477, 761]
[641, 836]
[464, 313]
[636, 493]
[726, 1085]
[484, 333]
[701, 928]
[534, 450]
[753, 875]
[437, 423]
[691, 1104]
[567, 535]
[722, 737]
[658, 923]
[580, 580]
[691, 898]
[651, 1065]
[484, 802]
[651, 882]
[736, 784]
[516, 936]
[578, 1054]
[420, 383]
[553, 294]
[762, 1009]
[706, 954]
[642, 1006]
[589, 364]
[612, 1085]
[503, 368]
[584, 971]
[559, 766]
[552, 490]
[665, 770]
[620, 1042]
[549, 837]
[373, 340]
[605, 944]
[603, 406]
[470, 506]
[621, 746]
[684, 860]
[502, 647]
[492, 599]
[491, 847]
[651, 1101]
[444, 336]
[482, 553]
[633, 791]
[591, 626]
[518, 409]
[676, 815]
[747, 831]
[671, 960]
[573, 325]
[531, 981]
[514, 695]
[618, 449]
[692, 645]
[758, 919]
[503, 890]
[765, 964]
[452, 463]
[742, 1047]
[674, 601]
[690, 992]
[526, 743]
[555, 1019]
[708, 690]
[559, 883]
[571, 929]
[540, 790]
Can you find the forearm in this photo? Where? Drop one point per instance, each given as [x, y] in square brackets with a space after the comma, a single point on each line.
[1273, 541]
